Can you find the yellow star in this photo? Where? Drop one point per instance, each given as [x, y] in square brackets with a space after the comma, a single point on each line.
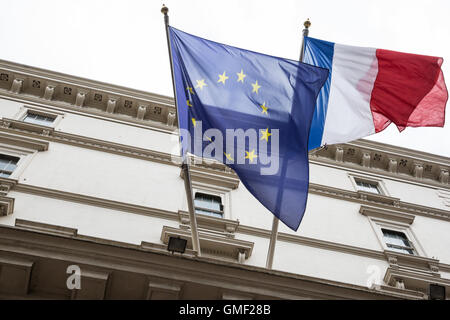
[251, 155]
[200, 84]
[194, 122]
[228, 155]
[190, 89]
[265, 135]
[241, 76]
[256, 86]
[264, 108]
[189, 103]
[222, 78]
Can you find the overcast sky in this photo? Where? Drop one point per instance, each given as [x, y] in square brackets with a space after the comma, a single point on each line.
[123, 42]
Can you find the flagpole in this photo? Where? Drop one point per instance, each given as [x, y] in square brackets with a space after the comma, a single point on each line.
[274, 234]
[185, 164]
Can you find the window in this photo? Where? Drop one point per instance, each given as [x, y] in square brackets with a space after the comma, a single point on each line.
[208, 204]
[36, 118]
[7, 165]
[397, 241]
[367, 186]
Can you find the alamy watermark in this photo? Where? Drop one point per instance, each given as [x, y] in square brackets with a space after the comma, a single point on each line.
[249, 147]
[74, 280]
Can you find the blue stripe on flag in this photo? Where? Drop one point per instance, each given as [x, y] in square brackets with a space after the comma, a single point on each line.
[319, 53]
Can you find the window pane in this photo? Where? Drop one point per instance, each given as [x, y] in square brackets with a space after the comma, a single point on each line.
[208, 213]
[8, 164]
[397, 241]
[38, 119]
[208, 204]
[401, 250]
[368, 187]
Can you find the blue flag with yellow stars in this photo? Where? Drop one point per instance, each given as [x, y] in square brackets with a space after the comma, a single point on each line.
[251, 112]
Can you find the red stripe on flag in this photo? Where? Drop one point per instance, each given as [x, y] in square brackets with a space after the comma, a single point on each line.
[409, 91]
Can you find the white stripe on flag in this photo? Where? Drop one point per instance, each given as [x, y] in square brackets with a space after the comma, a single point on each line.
[353, 75]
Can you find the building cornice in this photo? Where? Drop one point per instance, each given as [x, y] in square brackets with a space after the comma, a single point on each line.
[79, 94]
[387, 161]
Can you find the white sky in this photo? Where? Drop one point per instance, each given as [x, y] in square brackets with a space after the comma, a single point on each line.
[124, 42]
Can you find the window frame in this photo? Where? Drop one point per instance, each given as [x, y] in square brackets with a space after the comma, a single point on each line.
[2, 171]
[393, 246]
[382, 190]
[25, 156]
[213, 190]
[379, 223]
[221, 212]
[47, 123]
[57, 116]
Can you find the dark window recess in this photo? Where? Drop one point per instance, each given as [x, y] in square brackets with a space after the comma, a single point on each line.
[367, 186]
[7, 165]
[208, 204]
[397, 241]
[38, 119]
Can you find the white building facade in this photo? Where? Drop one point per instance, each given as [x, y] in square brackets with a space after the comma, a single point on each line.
[90, 182]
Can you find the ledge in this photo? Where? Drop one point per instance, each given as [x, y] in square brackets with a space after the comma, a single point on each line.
[24, 142]
[31, 127]
[422, 264]
[45, 228]
[392, 215]
[369, 196]
[414, 280]
[212, 244]
[408, 294]
[225, 226]
[214, 174]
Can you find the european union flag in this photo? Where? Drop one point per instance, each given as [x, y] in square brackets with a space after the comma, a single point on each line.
[252, 112]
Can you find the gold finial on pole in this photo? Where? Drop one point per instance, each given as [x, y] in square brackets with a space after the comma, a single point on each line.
[165, 10]
[307, 23]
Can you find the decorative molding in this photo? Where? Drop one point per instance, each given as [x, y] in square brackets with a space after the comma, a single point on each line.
[6, 184]
[49, 91]
[386, 160]
[111, 105]
[211, 244]
[45, 228]
[142, 110]
[171, 116]
[413, 280]
[391, 215]
[79, 101]
[412, 262]
[58, 89]
[24, 142]
[6, 206]
[224, 227]
[408, 294]
[378, 198]
[204, 173]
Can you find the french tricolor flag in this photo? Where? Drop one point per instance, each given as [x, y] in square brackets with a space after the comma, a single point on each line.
[368, 88]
